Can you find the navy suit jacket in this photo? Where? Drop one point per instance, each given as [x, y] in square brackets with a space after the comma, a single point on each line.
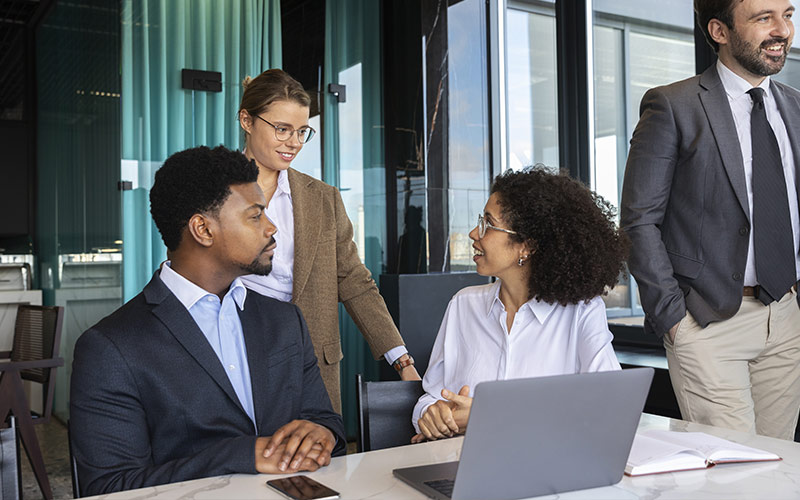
[150, 402]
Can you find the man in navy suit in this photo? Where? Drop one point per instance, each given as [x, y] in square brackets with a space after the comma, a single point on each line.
[197, 376]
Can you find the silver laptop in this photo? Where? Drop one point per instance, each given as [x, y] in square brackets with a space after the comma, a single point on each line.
[541, 436]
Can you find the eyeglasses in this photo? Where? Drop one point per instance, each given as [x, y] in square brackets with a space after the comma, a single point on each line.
[483, 226]
[284, 133]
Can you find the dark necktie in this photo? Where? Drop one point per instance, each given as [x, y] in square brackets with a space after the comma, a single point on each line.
[772, 225]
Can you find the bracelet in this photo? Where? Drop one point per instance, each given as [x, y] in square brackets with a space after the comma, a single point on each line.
[401, 364]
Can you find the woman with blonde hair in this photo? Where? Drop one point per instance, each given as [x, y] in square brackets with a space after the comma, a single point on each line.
[316, 263]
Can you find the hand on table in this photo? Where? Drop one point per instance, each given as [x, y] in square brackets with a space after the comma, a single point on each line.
[271, 464]
[445, 418]
[294, 442]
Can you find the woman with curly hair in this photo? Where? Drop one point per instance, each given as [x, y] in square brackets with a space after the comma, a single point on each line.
[555, 248]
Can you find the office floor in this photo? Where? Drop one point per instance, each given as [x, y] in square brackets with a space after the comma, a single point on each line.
[53, 442]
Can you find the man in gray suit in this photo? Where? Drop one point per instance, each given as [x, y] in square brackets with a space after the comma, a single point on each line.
[710, 202]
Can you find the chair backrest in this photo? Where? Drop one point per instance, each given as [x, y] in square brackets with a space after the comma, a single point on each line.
[384, 412]
[37, 335]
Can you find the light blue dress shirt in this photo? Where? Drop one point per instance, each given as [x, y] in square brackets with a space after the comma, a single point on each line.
[219, 321]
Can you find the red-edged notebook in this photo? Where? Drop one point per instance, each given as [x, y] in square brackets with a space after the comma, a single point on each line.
[655, 451]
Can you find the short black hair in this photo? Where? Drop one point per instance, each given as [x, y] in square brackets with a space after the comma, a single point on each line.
[578, 249]
[706, 10]
[194, 181]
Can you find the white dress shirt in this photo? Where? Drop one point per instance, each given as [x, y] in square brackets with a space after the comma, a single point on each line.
[278, 283]
[220, 323]
[474, 344]
[741, 104]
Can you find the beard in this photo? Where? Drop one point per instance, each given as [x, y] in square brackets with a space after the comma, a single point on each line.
[749, 56]
[256, 266]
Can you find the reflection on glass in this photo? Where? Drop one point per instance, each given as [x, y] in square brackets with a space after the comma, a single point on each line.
[468, 169]
[351, 154]
[412, 255]
[609, 113]
[532, 105]
[411, 213]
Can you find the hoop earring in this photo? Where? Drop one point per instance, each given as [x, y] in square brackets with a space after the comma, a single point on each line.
[521, 261]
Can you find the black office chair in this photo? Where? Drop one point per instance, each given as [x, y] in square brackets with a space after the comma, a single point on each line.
[384, 412]
[76, 487]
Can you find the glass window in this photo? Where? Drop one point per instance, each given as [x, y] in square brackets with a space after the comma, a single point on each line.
[632, 54]
[790, 74]
[468, 148]
[532, 108]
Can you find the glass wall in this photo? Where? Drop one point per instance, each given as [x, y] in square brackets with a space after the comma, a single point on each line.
[631, 55]
[78, 233]
[790, 74]
[354, 160]
[532, 109]
[468, 166]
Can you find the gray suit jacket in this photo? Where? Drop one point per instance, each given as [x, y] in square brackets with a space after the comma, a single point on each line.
[684, 200]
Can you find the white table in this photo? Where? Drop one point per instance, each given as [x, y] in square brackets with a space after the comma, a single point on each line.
[369, 475]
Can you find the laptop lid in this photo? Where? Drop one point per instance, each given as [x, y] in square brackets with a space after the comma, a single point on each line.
[545, 435]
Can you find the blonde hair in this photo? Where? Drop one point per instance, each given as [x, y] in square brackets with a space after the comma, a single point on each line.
[268, 87]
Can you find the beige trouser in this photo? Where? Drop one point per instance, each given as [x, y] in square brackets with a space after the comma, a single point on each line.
[742, 373]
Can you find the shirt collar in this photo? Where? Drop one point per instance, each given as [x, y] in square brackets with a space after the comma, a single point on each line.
[539, 309]
[283, 183]
[188, 293]
[736, 86]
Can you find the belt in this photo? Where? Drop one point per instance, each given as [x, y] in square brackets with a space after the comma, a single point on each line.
[752, 291]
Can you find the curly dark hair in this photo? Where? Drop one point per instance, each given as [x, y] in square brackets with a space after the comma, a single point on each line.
[195, 181]
[578, 248]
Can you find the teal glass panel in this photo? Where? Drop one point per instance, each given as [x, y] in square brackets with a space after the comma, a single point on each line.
[78, 234]
[354, 160]
[160, 38]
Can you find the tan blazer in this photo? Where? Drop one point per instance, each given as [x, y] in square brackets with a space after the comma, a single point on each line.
[327, 271]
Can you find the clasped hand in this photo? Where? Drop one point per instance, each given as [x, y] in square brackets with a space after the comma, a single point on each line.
[445, 418]
[299, 445]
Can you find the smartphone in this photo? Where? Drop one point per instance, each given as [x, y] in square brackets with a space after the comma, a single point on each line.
[303, 488]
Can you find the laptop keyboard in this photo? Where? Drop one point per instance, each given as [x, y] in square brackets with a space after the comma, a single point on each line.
[443, 486]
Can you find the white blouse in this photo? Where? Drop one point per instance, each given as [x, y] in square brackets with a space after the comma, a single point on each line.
[474, 344]
[278, 283]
